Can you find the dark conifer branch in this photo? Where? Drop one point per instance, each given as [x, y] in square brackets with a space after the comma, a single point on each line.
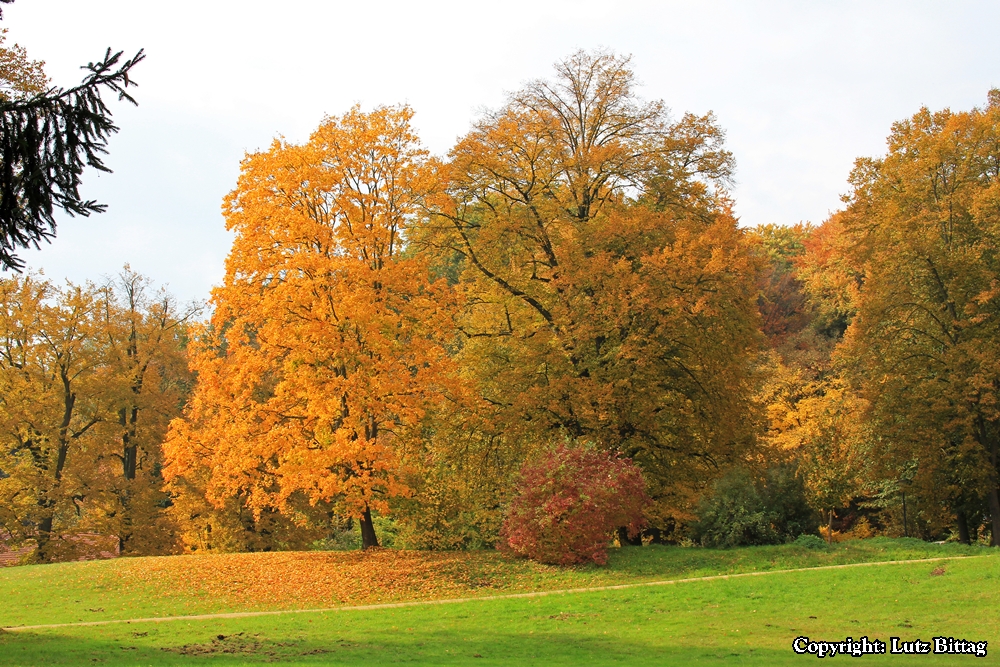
[46, 141]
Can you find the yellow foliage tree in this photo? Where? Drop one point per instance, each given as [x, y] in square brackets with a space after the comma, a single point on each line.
[327, 342]
[145, 333]
[20, 77]
[54, 395]
[922, 229]
[610, 294]
[73, 361]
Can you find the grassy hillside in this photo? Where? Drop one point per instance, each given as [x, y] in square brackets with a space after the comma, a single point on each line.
[740, 621]
[167, 586]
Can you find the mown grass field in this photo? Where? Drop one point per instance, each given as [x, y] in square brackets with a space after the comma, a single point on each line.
[750, 620]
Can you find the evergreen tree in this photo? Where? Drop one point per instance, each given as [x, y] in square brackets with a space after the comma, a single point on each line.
[46, 140]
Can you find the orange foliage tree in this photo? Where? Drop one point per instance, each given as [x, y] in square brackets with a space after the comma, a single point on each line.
[610, 293]
[327, 340]
[921, 232]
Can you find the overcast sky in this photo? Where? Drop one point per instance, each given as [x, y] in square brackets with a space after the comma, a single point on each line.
[802, 88]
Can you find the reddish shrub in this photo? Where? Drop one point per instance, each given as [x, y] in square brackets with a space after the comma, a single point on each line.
[570, 501]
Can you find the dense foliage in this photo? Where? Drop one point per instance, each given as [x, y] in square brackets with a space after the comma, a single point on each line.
[90, 376]
[923, 228]
[742, 510]
[398, 336]
[327, 343]
[568, 503]
[609, 294]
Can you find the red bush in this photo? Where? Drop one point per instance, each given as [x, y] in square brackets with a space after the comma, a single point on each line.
[569, 503]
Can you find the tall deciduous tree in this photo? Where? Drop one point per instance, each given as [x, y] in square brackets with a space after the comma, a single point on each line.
[327, 343]
[924, 227]
[73, 361]
[54, 398]
[145, 332]
[610, 293]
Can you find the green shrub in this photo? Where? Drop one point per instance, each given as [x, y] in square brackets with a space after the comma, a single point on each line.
[810, 542]
[743, 510]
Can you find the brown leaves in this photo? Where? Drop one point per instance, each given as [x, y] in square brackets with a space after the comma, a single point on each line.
[920, 236]
[20, 77]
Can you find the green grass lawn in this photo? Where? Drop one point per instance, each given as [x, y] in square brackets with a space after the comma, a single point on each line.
[750, 620]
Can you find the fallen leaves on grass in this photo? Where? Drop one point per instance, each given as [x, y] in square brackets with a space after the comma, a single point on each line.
[278, 580]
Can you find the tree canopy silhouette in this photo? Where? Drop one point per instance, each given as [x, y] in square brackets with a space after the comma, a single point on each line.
[46, 141]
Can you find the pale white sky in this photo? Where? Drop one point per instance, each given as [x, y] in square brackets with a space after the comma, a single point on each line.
[801, 87]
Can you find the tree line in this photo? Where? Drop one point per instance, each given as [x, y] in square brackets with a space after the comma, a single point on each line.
[90, 377]
[398, 333]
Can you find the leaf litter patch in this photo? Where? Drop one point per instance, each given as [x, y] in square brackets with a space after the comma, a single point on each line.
[243, 644]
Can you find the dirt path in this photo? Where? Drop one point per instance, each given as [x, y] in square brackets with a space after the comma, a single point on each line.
[509, 596]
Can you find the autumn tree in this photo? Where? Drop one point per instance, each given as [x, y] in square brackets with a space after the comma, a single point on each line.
[65, 379]
[815, 421]
[782, 300]
[923, 226]
[54, 397]
[830, 277]
[145, 333]
[20, 77]
[326, 345]
[610, 294]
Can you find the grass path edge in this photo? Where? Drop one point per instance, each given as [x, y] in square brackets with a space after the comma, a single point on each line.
[507, 596]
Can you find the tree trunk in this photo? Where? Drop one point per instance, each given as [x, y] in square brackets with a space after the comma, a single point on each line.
[44, 538]
[906, 530]
[130, 448]
[625, 540]
[963, 528]
[989, 442]
[128, 418]
[829, 528]
[368, 537]
[994, 498]
[994, 516]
